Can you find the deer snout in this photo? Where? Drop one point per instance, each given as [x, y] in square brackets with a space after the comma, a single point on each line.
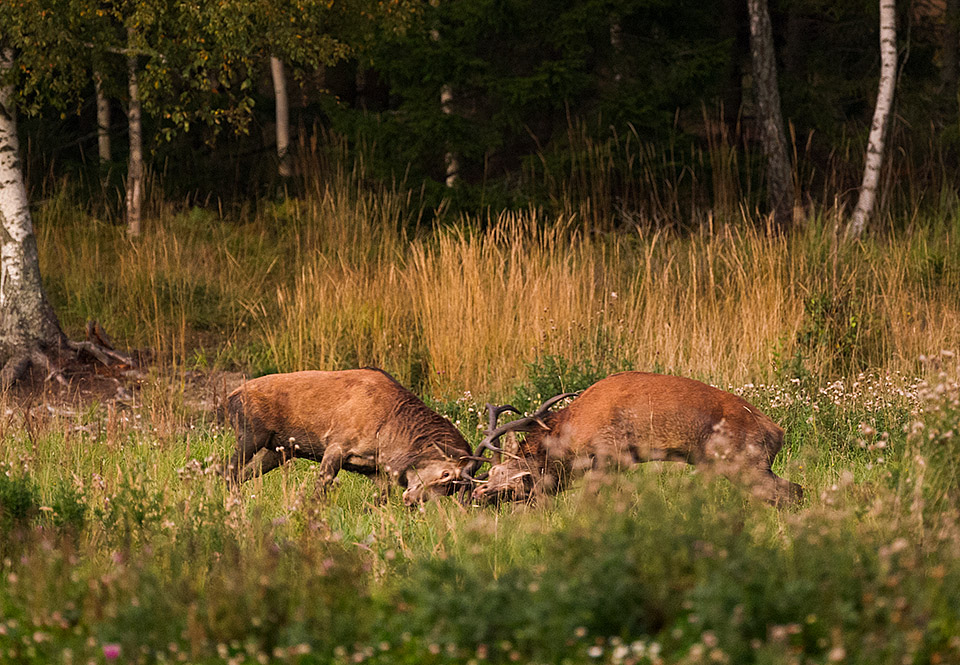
[425, 484]
[504, 485]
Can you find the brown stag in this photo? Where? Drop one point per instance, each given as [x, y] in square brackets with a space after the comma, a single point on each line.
[360, 420]
[635, 417]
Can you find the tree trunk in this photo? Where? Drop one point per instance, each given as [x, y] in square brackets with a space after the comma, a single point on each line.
[27, 322]
[616, 47]
[360, 87]
[731, 28]
[951, 35]
[135, 164]
[103, 118]
[283, 117]
[450, 159]
[881, 114]
[780, 194]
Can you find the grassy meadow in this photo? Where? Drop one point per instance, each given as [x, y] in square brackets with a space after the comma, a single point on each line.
[118, 544]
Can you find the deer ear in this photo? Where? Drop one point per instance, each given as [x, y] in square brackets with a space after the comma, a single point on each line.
[511, 445]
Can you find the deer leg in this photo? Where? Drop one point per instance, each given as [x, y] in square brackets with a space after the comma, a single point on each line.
[330, 466]
[383, 489]
[250, 443]
[264, 460]
[776, 490]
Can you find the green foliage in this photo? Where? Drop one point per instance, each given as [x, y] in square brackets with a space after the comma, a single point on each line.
[69, 507]
[520, 70]
[933, 453]
[18, 499]
[551, 375]
[837, 326]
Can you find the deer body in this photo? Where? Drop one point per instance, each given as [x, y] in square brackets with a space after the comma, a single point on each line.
[359, 420]
[635, 417]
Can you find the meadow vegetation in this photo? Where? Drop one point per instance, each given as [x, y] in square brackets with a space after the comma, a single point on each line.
[118, 543]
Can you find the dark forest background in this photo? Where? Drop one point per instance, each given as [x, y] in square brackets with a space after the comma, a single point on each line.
[625, 110]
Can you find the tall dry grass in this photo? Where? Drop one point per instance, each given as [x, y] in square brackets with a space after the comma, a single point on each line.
[350, 277]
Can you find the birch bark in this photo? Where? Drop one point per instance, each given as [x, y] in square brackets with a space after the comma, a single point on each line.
[866, 202]
[135, 163]
[450, 159]
[27, 322]
[282, 116]
[103, 118]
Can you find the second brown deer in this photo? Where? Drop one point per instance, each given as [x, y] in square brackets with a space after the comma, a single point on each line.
[629, 418]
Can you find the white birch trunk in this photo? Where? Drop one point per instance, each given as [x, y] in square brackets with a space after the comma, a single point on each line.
[27, 321]
[103, 119]
[450, 159]
[135, 164]
[283, 117]
[881, 114]
[616, 44]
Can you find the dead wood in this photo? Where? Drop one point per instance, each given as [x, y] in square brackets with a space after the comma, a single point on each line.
[98, 346]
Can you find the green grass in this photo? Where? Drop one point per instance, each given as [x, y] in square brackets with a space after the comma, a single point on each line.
[114, 532]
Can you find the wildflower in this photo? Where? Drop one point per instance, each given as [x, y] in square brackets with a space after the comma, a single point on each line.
[595, 651]
[111, 652]
[836, 654]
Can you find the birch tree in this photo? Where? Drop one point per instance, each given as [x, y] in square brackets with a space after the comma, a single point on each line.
[134, 198]
[780, 191]
[103, 118]
[284, 167]
[866, 202]
[28, 325]
[30, 334]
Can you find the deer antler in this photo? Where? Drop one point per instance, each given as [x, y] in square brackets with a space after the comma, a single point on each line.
[526, 424]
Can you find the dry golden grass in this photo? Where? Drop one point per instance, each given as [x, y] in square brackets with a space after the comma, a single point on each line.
[336, 281]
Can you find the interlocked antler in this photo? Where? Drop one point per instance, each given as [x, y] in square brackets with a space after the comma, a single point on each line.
[526, 424]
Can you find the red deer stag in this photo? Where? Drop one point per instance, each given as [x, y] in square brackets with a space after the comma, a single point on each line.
[360, 420]
[635, 417]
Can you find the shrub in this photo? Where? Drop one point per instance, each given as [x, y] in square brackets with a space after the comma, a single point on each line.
[19, 499]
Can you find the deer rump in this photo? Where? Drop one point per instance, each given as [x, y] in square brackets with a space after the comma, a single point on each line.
[360, 420]
[636, 417]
